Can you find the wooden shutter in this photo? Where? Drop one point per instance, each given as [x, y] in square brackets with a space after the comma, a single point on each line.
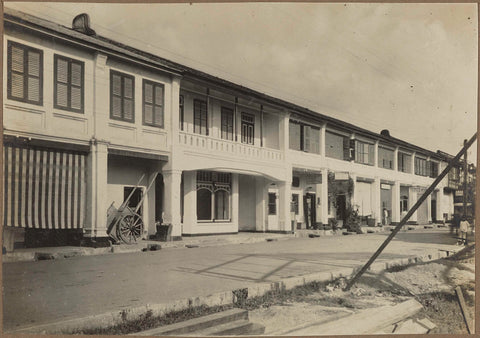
[33, 60]
[77, 84]
[128, 98]
[148, 102]
[346, 149]
[116, 96]
[158, 118]
[306, 138]
[62, 82]
[17, 67]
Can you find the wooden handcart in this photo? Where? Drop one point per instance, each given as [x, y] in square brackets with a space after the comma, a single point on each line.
[125, 225]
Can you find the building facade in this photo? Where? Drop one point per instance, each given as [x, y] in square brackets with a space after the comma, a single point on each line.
[86, 119]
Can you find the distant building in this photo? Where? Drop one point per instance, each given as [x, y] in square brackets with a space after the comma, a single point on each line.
[85, 117]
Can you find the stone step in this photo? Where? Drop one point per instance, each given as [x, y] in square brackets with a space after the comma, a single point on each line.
[237, 328]
[197, 324]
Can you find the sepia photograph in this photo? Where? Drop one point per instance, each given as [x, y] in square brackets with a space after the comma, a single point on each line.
[239, 169]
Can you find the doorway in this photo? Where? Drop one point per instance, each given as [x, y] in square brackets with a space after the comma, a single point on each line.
[135, 199]
[434, 211]
[341, 202]
[309, 210]
[159, 198]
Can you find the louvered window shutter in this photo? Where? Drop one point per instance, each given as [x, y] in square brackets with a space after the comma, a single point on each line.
[346, 149]
[128, 98]
[62, 83]
[306, 138]
[116, 96]
[76, 89]
[148, 103]
[33, 76]
[158, 105]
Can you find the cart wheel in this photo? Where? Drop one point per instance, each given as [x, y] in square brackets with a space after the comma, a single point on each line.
[130, 228]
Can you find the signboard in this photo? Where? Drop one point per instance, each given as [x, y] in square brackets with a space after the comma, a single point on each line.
[459, 193]
[314, 179]
[341, 176]
[385, 186]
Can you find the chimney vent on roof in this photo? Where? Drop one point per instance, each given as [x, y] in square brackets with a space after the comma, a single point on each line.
[385, 132]
[81, 23]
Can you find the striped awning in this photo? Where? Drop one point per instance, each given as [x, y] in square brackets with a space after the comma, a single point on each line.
[44, 188]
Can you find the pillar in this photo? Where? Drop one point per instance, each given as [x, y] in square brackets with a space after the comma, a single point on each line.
[429, 208]
[412, 169]
[261, 197]
[375, 157]
[395, 159]
[323, 130]
[324, 197]
[377, 201]
[172, 180]
[353, 200]
[101, 103]
[235, 207]
[396, 202]
[189, 201]
[412, 199]
[97, 199]
[285, 199]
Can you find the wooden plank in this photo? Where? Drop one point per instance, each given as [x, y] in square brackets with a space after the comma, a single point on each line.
[463, 307]
[8, 186]
[43, 191]
[23, 196]
[75, 190]
[367, 321]
[36, 201]
[50, 199]
[83, 191]
[68, 216]
[30, 181]
[62, 190]
[57, 192]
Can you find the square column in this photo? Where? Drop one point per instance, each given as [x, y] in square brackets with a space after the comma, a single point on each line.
[377, 200]
[323, 130]
[395, 159]
[235, 197]
[324, 197]
[429, 208]
[261, 198]
[412, 199]
[189, 200]
[353, 200]
[396, 202]
[285, 199]
[375, 157]
[97, 202]
[172, 180]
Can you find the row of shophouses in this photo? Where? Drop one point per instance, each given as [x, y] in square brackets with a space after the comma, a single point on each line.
[86, 117]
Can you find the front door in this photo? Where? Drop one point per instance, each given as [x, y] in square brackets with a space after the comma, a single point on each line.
[309, 210]
[341, 208]
[434, 211]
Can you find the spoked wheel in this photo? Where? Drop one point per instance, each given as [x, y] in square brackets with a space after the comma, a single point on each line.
[130, 228]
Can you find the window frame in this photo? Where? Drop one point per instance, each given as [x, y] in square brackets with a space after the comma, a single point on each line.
[122, 86]
[214, 182]
[70, 61]
[226, 113]
[363, 149]
[247, 138]
[195, 126]
[154, 85]
[10, 71]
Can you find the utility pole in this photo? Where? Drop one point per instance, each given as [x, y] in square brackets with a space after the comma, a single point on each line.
[465, 180]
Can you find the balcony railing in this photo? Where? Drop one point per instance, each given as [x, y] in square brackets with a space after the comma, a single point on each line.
[225, 147]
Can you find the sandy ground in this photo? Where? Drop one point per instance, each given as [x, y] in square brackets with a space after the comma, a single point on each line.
[423, 282]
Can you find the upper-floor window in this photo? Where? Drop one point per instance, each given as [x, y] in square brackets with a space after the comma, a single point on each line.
[337, 146]
[181, 111]
[364, 152]
[200, 117]
[304, 137]
[227, 124]
[248, 128]
[404, 162]
[122, 102]
[25, 73]
[385, 158]
[68, 84]
[421, 167]
[433, 169]
[153, 96]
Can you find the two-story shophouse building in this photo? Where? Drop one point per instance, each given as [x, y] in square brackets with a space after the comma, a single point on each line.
[86, 118]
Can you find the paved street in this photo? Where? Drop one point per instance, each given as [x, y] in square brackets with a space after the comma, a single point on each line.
[48, 291]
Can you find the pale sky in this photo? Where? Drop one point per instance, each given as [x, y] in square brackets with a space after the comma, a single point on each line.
[409, 68]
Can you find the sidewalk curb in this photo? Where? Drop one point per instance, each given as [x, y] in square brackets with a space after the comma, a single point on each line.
[216, 299]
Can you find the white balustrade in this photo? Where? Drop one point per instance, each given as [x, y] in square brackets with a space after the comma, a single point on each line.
[226, 147]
